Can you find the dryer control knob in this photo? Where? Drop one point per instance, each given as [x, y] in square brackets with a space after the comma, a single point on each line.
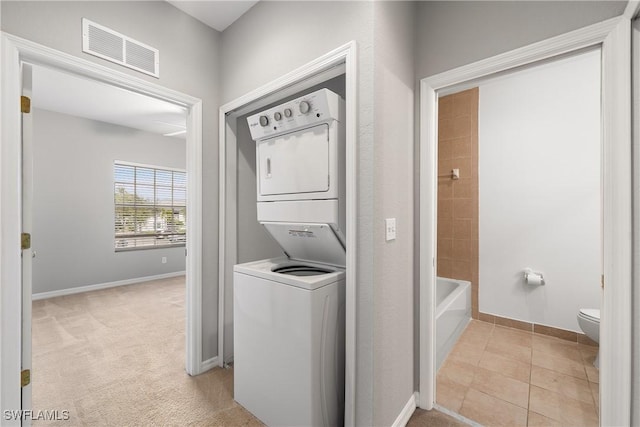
[304, 107]
[264, 121]
[277, 115]
[288, 112]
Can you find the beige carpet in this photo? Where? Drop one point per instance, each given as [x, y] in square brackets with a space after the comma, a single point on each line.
[115, 357]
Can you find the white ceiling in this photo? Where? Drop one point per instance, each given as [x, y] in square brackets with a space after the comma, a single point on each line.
[77, 96]
[217, 14]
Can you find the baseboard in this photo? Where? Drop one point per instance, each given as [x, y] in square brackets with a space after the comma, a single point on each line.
[88, 288]
[407, 411]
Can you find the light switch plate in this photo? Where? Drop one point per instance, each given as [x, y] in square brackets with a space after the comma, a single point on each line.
[390, 229]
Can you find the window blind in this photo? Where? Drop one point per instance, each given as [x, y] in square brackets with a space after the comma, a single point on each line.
[150, 207]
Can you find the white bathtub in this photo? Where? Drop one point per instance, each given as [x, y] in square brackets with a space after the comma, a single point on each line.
[453, 313]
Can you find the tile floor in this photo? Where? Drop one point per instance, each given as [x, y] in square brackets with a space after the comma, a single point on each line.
[499, 376]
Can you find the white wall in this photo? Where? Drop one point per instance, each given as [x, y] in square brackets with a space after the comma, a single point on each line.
[73, 211]
[539, 189]
[189, 62]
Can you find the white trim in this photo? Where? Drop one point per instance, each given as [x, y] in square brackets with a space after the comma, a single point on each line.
[210, 363]
[615, 351]
[403, 417]
[16, 50]
[632, 10]
[89, 288]
[290, 83]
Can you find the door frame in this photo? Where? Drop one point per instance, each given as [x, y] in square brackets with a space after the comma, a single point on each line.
[614, 37]
[341, 60]
[15, 52]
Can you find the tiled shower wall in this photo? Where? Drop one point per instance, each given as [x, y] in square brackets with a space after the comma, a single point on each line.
[458, 198]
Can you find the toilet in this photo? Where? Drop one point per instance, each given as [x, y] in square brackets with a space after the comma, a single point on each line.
[589, 321]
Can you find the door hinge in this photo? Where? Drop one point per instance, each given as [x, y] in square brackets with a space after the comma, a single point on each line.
[25, 377]
[25, 241]
[602, 281]
[25, 104]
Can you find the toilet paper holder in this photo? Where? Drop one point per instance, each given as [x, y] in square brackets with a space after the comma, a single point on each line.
[533, 277]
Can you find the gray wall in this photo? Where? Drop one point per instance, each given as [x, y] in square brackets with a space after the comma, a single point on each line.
[73, 201]
[393, 197]
[189, 62]
[274, 38]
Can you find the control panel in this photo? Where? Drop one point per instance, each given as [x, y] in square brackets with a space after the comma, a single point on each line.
[314, 108]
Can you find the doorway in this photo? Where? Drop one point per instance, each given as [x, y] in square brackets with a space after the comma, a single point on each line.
[19, 52]
[613, 37]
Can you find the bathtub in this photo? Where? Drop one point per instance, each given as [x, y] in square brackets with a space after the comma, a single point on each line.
[453, 313]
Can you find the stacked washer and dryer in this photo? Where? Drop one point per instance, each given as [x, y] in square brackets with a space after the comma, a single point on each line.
[289, 311]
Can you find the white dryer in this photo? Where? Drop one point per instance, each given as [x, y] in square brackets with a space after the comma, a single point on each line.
[289, 342]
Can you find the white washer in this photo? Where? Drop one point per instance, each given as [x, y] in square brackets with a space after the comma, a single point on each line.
[289, 342]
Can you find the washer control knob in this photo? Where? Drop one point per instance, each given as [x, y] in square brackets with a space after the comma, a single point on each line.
[288, 112]
[277, 115]
[304, 107]
[264, 121]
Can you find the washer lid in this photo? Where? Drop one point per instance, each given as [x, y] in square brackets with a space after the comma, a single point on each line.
[591, 313]
[308, 242]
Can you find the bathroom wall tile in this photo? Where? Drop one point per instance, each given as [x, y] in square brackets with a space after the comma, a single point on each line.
[446, 228]
[462, 209]
[445, 248]
[512, 323]
[450, 394]
[461, 147]
[445, 128]
[462, 103]
[537, 420]
[461, 228]
[475, 297]
[446, 150]
[561, 408]
[502, 387]
[457, 371]
[566, 385]
[460, 127]
[465, 165]
[512, 336]
[445, 189]
[556, 332]
[511, 368]
[490, 318]
[463, 188]
[461, 270]
[444, 267]
[491, 411]
[556, 347]
[583, 339]
[445, 209]
[462, 250]
[558, 364]
[445, 106]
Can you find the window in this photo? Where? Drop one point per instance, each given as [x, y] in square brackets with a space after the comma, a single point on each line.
[150, 207]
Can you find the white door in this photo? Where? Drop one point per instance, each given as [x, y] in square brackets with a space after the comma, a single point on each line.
[27, 223]
[294, 163]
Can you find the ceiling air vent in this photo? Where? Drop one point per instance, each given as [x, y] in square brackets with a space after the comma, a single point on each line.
[107, 44]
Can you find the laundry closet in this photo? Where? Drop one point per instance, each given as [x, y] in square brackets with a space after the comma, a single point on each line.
[288, 283]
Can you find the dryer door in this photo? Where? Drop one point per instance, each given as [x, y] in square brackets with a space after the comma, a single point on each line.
[294, 163]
